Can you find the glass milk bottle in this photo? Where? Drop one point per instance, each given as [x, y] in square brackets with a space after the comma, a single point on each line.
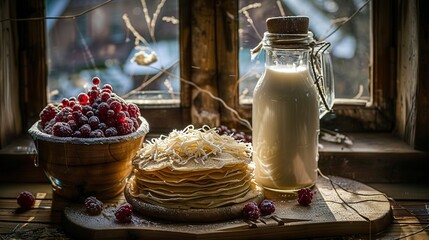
[285, 114]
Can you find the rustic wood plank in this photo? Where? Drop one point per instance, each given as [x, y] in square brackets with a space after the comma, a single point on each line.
[204, 109]
[227, 58]
[422, 98]
[404, 191]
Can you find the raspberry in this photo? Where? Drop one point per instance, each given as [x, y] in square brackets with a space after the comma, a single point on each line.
[89, 114]
[77, 134]
[65, 102]
[251, 211]
[62, 116]
[102, 126]
[97, 133]
[86, 109]
[85, 130]
[26, 200]
[93, 94]
[107, 86]
[103, 108]
[136, 124]
[48, 127]
[96, 80]
[133, 110]
[94, 122]
[116, 106]
[47, 114]
[105, 96]
[123, 213]
[72, 124]
[125, 127]
[82, 98]
[82, 120]
[93, 206]
[110, 132]
[267, 207]
[305, 196]
[76, 114]
[62, 129]
[120, 117]
[77, 108]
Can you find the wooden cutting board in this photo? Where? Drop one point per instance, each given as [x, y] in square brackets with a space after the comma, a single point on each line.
[367, 212]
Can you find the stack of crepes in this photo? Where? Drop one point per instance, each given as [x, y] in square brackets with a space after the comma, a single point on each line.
[194, 168]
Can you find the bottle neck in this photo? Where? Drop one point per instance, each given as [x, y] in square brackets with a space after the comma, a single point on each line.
[288, 58]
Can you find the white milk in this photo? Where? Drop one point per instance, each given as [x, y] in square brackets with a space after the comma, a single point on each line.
[285, 129]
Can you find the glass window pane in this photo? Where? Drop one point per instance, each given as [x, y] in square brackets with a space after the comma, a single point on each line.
[350, 48]
[102, 42]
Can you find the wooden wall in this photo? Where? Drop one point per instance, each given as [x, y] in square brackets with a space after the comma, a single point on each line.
[412, 105]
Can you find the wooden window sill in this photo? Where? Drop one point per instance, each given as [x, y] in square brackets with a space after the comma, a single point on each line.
[372, 158]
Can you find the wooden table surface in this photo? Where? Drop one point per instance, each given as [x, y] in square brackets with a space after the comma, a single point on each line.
[410, 209]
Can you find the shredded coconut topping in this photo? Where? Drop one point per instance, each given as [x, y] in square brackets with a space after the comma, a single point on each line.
[181, 146]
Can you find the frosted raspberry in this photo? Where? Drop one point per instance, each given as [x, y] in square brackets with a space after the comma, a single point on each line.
[116, 106]
[107, 86]
[85, 130]
[62, 129]
[48, 127]
[94, 122]
[133, 110]
[93, 206]
[62, 116]
[267, 207]
[93, 94]
[102, 126]
[96, 80]
[26, 200]
[82, 120]
[123, 213]
[120, 117]
[251, 211]
[103, 108]
[125, 127]
[110, 132]
[89, 114]
[105, 96]
[72, 124]
[305, 196]
[97, 133]
[47, 114]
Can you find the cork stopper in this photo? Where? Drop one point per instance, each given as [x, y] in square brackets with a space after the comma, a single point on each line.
[288, 25]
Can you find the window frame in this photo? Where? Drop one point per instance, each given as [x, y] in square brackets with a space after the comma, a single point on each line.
[380, 116]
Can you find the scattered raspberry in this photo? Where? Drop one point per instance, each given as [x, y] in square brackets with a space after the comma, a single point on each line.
[305, 196]
[267, 207]
[123, 213]
[26, 200]
[62, 129]
[93, 206]
[251, 211]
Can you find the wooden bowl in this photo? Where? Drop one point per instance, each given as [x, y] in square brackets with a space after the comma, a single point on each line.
[81, 167]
